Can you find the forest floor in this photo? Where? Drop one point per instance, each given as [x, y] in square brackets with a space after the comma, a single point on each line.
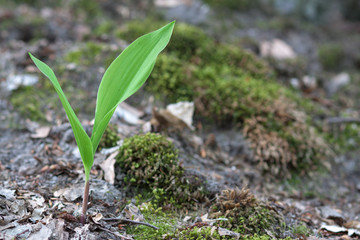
[41, 181]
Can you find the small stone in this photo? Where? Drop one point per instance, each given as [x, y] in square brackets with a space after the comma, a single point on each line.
[337, 82]
[329, 213]
[277, 49]
[13, 82]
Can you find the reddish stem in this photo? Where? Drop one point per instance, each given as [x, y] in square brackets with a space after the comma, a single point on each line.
[85, 202]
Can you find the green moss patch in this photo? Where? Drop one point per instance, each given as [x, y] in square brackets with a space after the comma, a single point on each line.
[151, 165]
[232, 87]
[27, 101]
[245, 214]
[166, 221]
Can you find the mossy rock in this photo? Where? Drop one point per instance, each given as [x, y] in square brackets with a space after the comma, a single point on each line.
[151, 165]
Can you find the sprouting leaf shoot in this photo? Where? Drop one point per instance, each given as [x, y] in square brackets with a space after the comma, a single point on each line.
[126, 74]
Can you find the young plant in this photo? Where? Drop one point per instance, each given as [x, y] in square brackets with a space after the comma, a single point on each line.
[126, 74]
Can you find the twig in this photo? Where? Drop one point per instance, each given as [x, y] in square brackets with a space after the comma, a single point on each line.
[115, 233]
[339, 120]
[131, 221]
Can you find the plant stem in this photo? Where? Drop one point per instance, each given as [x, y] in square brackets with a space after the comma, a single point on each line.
[85, 202]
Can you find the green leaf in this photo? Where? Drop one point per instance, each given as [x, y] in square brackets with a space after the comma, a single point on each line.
[82, 139]
[126, 75]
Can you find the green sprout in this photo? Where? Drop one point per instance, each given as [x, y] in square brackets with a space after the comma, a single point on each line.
[126, 74]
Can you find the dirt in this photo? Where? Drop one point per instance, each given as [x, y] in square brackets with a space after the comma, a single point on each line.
[42, 178]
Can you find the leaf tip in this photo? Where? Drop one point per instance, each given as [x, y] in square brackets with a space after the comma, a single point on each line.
[31, 56]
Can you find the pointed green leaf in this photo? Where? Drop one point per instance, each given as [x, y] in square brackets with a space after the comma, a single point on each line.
[82, 139]
[126, 75]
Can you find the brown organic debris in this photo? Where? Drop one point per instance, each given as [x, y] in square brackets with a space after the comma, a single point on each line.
[234, 198]
[295, 144]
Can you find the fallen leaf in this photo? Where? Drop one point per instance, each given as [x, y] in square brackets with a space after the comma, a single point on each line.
[226, 232]
[132, 212]
[183, 111]
[41, 132]
[108, 167]
[44, 233]
[332, 229]
[97, 217]
[352, 224]
[7, 193]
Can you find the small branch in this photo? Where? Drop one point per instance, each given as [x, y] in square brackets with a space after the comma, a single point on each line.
[85, 202]
[339, 120]
[115, 233]
[130, 221]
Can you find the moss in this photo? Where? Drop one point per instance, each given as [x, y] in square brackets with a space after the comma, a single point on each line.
[344, 137]
[104, 28]
[194, 233]
[88, 8]
[34, 102]
[109, 138]
[185, 40]
[27, 101]
[242, 5]
[245, 214]
[165, 221]
[24, 29]
[231, 87]
[171, 226]
[301, 230]
[330, 55]
[150, 163]
[86, 55]
[171, 79]
[236, 60]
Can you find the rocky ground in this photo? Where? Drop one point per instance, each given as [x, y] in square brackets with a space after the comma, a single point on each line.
[42, 176]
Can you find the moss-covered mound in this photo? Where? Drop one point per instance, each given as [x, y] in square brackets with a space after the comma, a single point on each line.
[150, 163]
[245, 214]
[233, 88]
